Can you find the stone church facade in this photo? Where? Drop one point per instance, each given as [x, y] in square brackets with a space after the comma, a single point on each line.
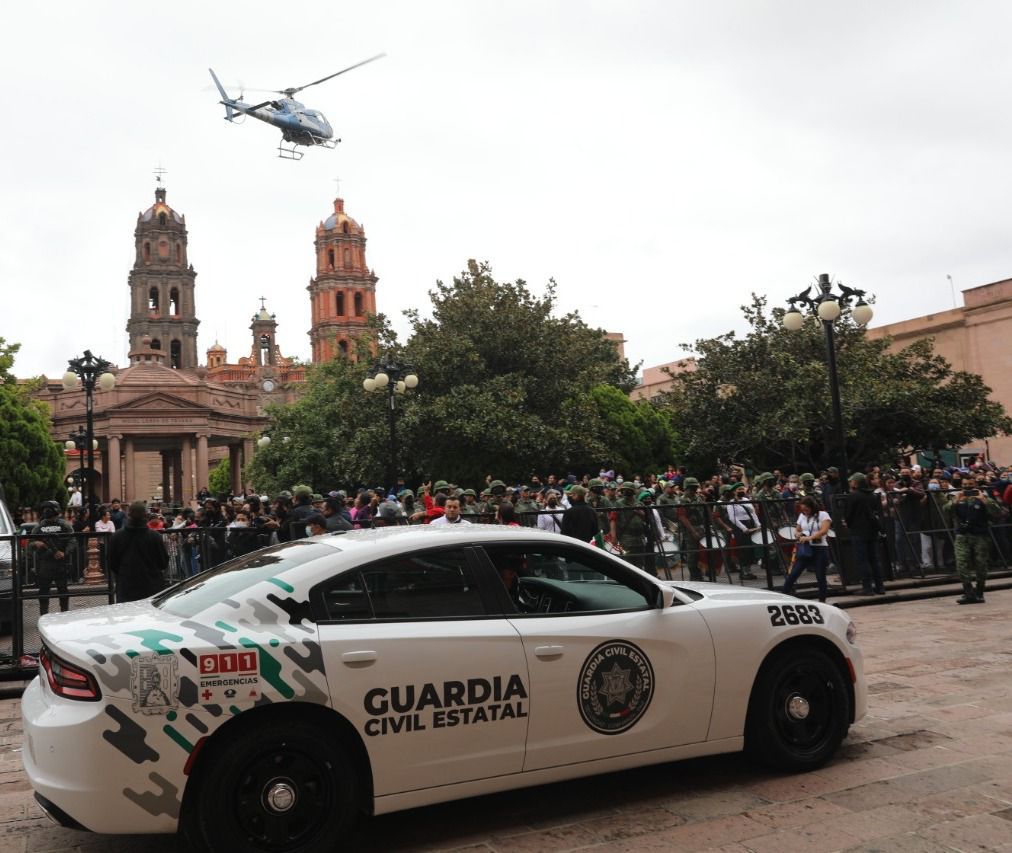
[169, 419]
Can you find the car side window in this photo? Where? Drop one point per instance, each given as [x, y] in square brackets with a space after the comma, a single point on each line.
[433, 585]
[556, 579]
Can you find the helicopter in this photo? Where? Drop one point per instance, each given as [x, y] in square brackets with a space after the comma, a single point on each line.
[298, 125]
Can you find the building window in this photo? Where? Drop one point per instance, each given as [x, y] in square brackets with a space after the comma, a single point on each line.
[340, 305]
[344, 227]
[179, 253]
[347, 259]
[175, 354]
[153, 299]
[174, 301]
[147, 253]
[358, 304]
[156, 344]
[343, 346]
[330, 259]
[162, 219]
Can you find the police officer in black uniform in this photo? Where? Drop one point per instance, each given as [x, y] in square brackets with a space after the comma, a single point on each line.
[54, 545]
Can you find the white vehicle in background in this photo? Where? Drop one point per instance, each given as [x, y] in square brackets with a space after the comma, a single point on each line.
[268, 703]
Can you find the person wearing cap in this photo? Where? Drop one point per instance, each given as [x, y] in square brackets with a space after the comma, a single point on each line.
[388, 514]
[861, 514]
[691, 516]
[527, 509]
[628, 524]
[468, 503]
[830, 489]
[808, 487]
[972, 511]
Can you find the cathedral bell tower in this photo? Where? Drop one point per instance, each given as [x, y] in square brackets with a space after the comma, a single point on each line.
[161, 286]
[343, 291]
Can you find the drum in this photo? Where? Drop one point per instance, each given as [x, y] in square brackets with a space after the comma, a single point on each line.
[787, 532]
[757, 537]
[714, 541]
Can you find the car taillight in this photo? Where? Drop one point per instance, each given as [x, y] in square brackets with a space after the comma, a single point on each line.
[67, 680]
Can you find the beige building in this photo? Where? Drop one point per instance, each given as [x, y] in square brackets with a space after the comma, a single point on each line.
[976, 338]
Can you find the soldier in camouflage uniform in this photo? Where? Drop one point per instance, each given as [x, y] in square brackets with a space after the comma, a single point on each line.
[691, 514]
[596, 498]
[54, 546]
[469, 505]
[628, 525]
[527, 509]
[972, 511]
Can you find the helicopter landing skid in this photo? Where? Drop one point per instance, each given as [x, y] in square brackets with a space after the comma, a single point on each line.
[292, 153]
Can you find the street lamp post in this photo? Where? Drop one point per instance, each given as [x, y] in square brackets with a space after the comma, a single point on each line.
[89, 371]
[827, 307]
[396, 378]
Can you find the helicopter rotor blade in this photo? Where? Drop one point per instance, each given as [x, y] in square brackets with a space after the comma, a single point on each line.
[293, 91]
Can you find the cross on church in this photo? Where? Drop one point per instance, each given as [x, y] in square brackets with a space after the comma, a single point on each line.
[263, 299]
[159, 171]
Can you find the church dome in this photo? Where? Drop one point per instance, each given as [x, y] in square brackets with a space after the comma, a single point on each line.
[339, 218]
[160, 206]
[216, 347]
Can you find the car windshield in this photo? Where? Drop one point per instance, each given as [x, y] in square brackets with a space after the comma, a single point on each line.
[235, 577]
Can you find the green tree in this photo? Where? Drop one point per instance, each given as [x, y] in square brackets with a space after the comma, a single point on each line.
[502, 379]
[31, 463]
[627, 436]
[764, 399]
[219, 479]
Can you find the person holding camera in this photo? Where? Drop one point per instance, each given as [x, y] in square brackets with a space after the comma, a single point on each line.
[972, 512]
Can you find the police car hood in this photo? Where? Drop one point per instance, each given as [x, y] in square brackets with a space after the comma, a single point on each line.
[726, 592]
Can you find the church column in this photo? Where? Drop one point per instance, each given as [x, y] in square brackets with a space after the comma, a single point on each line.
[202, 471]
[177, 476]
[130, 488]
[235, 466]
[167, 496]
[247, 454]
[113, 476]
[186, 496]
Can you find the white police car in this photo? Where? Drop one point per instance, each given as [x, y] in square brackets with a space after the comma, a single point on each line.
[266, 704]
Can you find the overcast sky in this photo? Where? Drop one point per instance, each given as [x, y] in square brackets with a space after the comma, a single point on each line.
[660, 160]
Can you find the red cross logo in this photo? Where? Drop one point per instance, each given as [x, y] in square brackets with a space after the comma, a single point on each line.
[206, 694]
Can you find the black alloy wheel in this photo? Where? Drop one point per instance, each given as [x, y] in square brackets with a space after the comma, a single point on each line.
[284, 786]
[799, 710]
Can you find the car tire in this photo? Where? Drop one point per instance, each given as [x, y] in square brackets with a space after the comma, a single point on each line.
[799, 710]
[283, 785]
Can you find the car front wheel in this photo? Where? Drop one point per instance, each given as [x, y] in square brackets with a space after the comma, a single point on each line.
[799, 710]
[283, 786]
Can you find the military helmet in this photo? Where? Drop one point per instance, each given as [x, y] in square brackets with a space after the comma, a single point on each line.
[596, 483]
[807, 478]
[302, 491]
[441, 486]
[626, 487]
[53, 505]
[497, 484]
[728, 487]
[469, 492]
[690, 482]
[763, 477]
[405, 493]
[646, 493]
[858, 477]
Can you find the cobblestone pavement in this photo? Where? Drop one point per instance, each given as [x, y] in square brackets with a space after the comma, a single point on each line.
[929, 769]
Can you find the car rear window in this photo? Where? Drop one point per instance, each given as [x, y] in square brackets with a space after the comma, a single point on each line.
[232, 579]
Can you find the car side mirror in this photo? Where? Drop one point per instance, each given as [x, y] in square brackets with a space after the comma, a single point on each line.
[665, 597]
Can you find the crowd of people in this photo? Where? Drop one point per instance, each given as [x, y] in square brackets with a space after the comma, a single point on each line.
[900, 520]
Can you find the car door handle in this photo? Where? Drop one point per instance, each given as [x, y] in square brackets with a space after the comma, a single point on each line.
[548, 651]
[364, 656]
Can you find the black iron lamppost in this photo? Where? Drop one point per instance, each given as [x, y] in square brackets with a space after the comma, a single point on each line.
[79, 441]
[89, 371]
[827, 307]
[395, 378]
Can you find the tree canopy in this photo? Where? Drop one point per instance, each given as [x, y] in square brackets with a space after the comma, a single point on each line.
[31, 463]
[764, 399]
[506, 387]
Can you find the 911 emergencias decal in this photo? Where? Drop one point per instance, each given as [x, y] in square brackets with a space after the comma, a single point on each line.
[453, 703]
[782, 615]
[615, 687]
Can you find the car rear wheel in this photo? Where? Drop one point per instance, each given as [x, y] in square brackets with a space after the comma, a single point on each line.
[283, 786]
[799, 710]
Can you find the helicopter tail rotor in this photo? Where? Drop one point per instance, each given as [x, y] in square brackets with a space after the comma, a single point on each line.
[225, 100]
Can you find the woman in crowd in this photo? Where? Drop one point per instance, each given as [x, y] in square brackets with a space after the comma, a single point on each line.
[811, 549]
